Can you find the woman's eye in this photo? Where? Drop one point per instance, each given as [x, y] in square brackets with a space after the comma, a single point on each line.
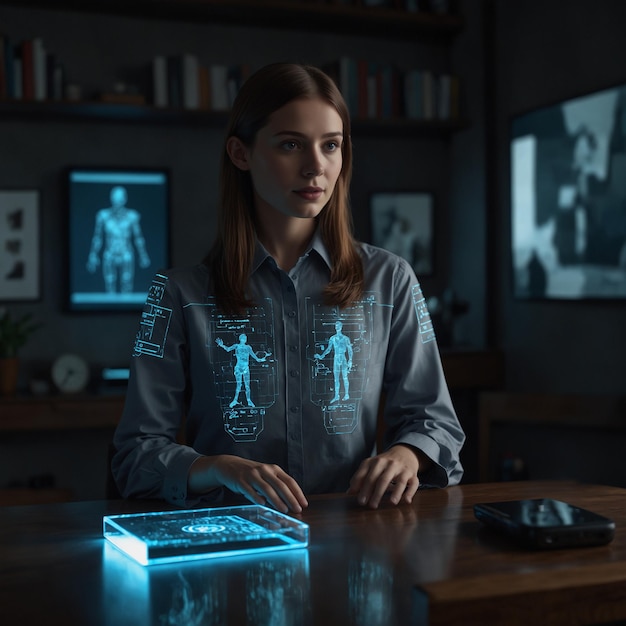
[331, 146]
[289, 145]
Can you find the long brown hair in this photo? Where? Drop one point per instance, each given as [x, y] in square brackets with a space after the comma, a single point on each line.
[230, 258]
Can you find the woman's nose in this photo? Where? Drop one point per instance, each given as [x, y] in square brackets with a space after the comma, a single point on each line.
[313, 165]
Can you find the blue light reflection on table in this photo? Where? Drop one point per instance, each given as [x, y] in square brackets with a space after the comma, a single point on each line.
[268, 589]
[364, 581]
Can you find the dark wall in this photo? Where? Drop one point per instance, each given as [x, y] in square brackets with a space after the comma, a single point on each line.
[546, 51]
[99, 50]
[540, 51]
[512, 56]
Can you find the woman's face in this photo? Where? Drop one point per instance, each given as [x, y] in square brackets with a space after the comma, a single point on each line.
[295, 160]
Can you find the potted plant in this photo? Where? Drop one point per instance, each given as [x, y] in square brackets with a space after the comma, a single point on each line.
[14, 333]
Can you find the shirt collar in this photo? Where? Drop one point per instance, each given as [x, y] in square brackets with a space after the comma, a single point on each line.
[260, 255]
[317, 244]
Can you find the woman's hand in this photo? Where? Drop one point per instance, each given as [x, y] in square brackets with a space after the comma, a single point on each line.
[394, 471]
[261, 483]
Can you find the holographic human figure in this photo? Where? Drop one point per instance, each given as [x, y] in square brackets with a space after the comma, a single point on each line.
[243, 352]
[117, 228]
[341, 344]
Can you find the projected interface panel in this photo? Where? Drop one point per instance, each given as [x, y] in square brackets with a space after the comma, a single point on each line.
[166, 537]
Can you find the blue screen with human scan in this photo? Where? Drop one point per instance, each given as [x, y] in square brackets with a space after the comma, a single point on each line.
[118, 227]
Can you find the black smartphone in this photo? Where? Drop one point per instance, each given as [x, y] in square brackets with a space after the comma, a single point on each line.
[546, 523]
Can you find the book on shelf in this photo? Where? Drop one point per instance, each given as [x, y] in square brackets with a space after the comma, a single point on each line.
[12, 69]
[174, 82]
[190, 81]
[39, 69]
[28, 76]
[362, 91]
[443, 96]
[159, 81]
[455, 98]
[183, 81]
[218, 78]
[204, 87]
[383, 91]
[29, 72]
[18, 82]
[237, 75]
[345, 74]
[51, 77]
[225, 82]
[428, 95]
[413, 98]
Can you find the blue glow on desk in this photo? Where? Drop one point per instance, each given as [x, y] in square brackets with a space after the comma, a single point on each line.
[167, 537]
[265, 588]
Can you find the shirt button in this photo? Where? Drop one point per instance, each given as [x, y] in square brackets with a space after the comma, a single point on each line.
[292, 314]
[293, 348]
[294, 373]
[295, 409]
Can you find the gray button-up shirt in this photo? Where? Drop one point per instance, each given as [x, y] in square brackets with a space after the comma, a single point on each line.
[292, 381]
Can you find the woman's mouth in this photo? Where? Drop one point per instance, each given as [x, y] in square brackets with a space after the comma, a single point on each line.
[310, 193]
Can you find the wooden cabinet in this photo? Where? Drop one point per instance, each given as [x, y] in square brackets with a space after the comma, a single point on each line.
[72, 431]
[559, 432]
[60, 412]
[473, 369]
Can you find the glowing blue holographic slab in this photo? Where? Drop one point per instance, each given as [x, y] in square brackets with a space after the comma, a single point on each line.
[166, 537]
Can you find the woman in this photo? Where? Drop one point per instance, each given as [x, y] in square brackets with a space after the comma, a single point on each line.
[285, 273]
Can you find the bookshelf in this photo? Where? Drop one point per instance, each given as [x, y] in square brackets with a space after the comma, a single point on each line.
[350, 18]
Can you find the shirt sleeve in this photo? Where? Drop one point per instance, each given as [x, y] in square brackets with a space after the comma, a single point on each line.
[148, 462]
[418, 408]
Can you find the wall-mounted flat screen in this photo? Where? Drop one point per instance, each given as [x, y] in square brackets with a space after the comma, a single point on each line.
[568, 197]
[118, 225]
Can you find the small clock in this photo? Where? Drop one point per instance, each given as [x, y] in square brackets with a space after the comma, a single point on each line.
[70, 373]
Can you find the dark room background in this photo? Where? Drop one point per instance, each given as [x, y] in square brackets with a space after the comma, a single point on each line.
[511, 56]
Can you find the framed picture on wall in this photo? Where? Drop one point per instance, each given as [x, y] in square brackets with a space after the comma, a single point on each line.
[568, 199]
[118, 236]
[402, 222]
[20, 264]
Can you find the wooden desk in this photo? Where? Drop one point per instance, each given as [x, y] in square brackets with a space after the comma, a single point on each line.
[428, 563]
